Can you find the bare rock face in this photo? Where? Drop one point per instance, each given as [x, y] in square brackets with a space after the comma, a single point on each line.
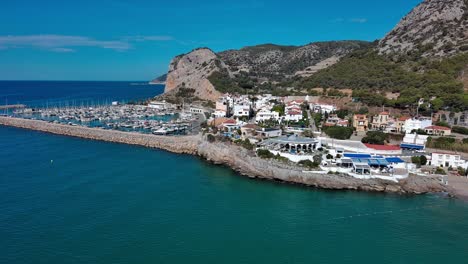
[433, 28]
[191, 70]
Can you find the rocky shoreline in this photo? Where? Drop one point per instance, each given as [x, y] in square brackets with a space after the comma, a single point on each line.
[237, 158]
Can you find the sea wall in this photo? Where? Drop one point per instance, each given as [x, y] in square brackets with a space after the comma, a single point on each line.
[237, 158]
[183, 145]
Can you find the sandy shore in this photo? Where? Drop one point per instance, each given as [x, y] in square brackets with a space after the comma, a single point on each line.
[237, 158]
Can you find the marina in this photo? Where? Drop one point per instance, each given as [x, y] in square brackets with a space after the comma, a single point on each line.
[127, 117]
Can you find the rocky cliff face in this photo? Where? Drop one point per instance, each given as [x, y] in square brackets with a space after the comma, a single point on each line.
[277, 62]
[433, 28]
[255, 64]
[192, 70]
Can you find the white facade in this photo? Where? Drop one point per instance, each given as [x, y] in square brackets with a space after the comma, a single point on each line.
[158, 105]
[414, 124]
[264, 115]
[196, 110]
[219, 113]
[241, 110]
[322, 108]
[415, 139]
[447, 160]
[294, 116]
[263, 101]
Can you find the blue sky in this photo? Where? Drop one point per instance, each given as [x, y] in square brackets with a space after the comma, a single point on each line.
[135, 39]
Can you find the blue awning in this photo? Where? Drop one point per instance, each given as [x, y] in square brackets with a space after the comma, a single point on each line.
[357, 155]
[411, 146]
[371, 161]
[395, 160]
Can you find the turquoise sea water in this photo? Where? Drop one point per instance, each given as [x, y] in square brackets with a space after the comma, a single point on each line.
[69, 200]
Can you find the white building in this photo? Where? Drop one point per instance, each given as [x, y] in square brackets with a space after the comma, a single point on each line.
[159, 105]
[264, 115]
[293, 115]
[218, 114]
[269, 132]
[415, 124]
[241, 110]
[264, 101]
[440, 159]
[196, 110]
[322, 108]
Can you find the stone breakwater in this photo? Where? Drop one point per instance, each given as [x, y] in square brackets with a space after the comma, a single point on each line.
[237, 158]
[183, 145]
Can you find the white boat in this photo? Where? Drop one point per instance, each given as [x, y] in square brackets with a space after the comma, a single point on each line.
[161, 131]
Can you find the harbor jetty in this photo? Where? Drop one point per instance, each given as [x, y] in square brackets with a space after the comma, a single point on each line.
[15, 106]
[237, 158]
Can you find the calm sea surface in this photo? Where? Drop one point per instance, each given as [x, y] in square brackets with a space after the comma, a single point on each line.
[68, 200]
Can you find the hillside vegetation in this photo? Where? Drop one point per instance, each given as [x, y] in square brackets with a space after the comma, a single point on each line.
[372, 75]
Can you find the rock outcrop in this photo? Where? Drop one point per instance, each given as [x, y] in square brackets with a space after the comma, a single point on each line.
[191, 71]
[258, 64]
[433, 28]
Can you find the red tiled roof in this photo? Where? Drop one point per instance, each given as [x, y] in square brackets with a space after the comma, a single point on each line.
[343, 122]
[437, 128]
[230, 121]
[383, 147]
[404, 118]
[384, 113]
[252, 126]
[294, 113]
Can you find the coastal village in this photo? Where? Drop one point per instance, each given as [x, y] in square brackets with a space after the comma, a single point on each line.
[325, 138]
[305, 133]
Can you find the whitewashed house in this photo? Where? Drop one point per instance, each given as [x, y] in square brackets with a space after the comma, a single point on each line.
[241, 110]
[218, 114]
[265, 114]
[415, 124]
[440, 159]
[293, 115]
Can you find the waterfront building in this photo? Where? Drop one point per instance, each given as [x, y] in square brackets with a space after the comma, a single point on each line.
[293, 144]
[416, 123]
[160, 105]
[414, 141]
[440, 159]
[438, 131]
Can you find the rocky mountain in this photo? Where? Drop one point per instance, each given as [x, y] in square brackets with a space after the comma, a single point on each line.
[160, 80]
[202, 69]
[191, 71]
[275, 62]
[434, 28]
[425, 54]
